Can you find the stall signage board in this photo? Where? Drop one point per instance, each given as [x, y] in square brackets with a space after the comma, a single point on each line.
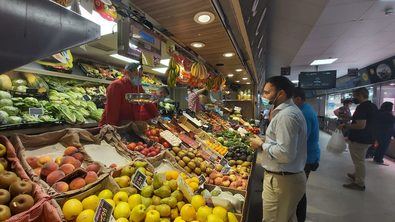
[103, 212]
[36, 112]
[139, 179]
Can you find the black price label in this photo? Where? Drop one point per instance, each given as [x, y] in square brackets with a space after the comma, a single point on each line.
[103, 212]
[31, 91]
[86, 97]
[202, 180]
[139, 179]
[36, 111]
[223, 162]
[225, 170]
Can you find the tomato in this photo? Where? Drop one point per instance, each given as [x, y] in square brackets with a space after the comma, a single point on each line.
[166, 144]
[132, 146]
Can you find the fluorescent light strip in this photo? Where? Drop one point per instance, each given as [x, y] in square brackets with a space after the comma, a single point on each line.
[244, 78]
[123, 58]
[230, 75]
[323, 62]
[165, 62]
[160, 70]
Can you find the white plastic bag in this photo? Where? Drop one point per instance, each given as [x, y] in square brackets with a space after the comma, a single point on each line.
[337, 143]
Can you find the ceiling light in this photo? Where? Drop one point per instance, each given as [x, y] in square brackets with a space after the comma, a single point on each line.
[160, 70]
[244, 78]
[123, 58]
[239, 70]
[197, 44]
[204, 17]
[323, 62]
[228, 54]
[237, 81]
[230, 75]
[392, 84]
[248, 83]
[165, 62]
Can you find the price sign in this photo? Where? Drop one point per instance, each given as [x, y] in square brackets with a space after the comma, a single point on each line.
[202, 180]
[36, 111]
[225, 170]
[86, 97]
[223, 162]
[139, 179]
[103, 212]
[31, 91]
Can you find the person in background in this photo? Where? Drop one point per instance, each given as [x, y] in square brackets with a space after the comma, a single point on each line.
[163, 92]
[194, 100]
[360, 136]
[284, 153]
[384, 130]
[118, 110]
[343, 113]
[313, 148]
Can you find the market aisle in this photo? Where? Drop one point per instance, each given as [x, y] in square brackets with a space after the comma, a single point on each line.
[328, 201]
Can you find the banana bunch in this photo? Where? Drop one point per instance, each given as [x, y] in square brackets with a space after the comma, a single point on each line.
[172, 72]
[218, 82]
[198, 71]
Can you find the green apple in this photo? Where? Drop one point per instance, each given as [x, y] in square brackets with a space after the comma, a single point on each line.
[122, 210]
[105, 194]
[138, 213]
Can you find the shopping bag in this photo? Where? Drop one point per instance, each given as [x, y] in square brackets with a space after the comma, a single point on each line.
[337, 143]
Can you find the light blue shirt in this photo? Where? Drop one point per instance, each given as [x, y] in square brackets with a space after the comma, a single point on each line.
[285, 147]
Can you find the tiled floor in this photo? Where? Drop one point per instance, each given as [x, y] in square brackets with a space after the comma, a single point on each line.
[328, 201]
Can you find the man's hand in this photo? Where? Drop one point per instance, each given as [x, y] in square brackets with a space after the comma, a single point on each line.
[256, 142]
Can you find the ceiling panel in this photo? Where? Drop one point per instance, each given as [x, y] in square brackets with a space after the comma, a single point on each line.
[177, 17]
[344, 12]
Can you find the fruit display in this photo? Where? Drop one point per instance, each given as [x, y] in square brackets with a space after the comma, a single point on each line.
[198, 71]
[100, 71]
[191, 161]
[225, 199]
[151, 80]
[153, 134]
[254, 130]
[56, 172]
[215, 82]
[233, 180]
[172, 72]
[238, 146]
[144, 149]
[124, 175]
[217, 147]
[241, 167]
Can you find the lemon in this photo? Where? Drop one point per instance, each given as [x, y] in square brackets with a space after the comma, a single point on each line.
[198, 201]
[72, 208]
[86, 216]
[188, 212]
[105, 194]
[221, 213]
[122, 219]
[122, 210]
[194, 186]
[203, 213]
[90, 202]
[232, 217]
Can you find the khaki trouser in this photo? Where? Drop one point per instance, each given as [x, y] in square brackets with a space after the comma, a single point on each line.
[358, 153]
[281, 195]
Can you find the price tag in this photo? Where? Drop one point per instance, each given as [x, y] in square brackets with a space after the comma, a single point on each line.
[139, 179]
[36, 112]
[202, 180]
[213, 158]
[223, 162]
[86, 97]
[31, 91]
[225, 170]
[103, 212]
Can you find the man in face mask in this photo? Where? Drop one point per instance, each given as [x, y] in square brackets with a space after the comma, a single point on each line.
[117, 110]
[283, 152]
[360, 136]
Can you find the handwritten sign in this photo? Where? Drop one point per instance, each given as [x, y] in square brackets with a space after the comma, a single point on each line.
[36, 111]
[103, 212]
[139, 179]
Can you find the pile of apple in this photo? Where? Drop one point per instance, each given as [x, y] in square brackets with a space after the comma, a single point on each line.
[15, 193]
[123, 176]
[54, 171]
[160, 202]
[232, 180]
[143, 148]
[153, 133]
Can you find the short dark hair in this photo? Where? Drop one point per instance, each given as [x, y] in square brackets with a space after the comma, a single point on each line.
[282, 83]
[165, 89]
[387, 107]
[362, 92]
[299, 92]
[131, 67]
[347, 101]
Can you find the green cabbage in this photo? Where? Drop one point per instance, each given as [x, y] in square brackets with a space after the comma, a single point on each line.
[5, 95]
[6, 102]
[3, 117]
[14, 120]
[21, 89]
[12, 111]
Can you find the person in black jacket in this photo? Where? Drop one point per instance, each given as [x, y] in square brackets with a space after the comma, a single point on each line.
[384, 130]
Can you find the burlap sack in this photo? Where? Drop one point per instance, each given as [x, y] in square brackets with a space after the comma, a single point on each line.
[44, 208]
[66, 137]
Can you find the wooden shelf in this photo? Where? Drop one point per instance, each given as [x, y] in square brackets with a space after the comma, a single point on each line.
[37, 69]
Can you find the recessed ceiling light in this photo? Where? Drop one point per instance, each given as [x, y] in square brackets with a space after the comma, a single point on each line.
[323, 62]
[197, 44]
[228, 54]
[123, 58]
[248, 83]
[230, 75]
[392, 84]
[237, 81]
[239, 70]
[204, 17]
[244, 78]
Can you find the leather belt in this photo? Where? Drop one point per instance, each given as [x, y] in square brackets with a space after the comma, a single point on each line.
[281, 173]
